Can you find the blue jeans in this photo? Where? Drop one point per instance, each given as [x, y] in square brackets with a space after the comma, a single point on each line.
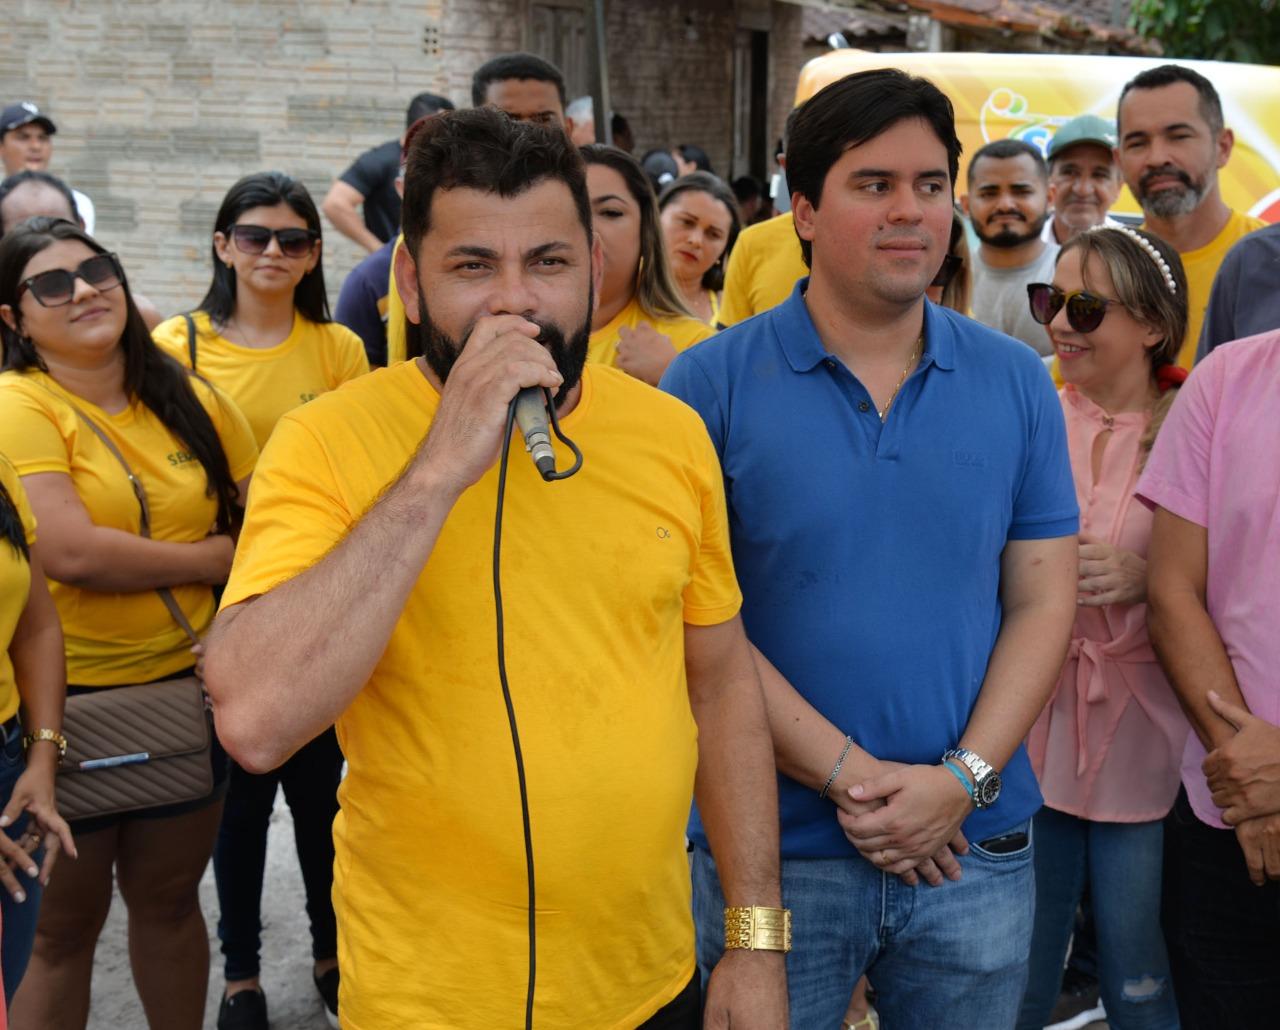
[18, 934]
[1121, 863]
[954, 955]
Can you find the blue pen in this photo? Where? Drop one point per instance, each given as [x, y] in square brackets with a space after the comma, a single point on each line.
[107, 763]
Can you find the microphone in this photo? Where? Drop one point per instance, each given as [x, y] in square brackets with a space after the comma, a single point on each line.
[531, 416]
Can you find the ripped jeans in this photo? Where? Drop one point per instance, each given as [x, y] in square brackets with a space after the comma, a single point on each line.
[1122, 862]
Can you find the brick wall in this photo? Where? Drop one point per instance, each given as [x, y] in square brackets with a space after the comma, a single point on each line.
[162, 104]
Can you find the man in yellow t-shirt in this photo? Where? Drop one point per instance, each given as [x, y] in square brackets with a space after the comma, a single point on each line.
[525, 88]
[361, 592]
[763, 269]
[1172, 143]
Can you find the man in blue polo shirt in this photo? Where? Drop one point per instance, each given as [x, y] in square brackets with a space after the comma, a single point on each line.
[904, 522]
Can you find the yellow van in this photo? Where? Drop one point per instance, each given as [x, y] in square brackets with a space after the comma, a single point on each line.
[1027, 96]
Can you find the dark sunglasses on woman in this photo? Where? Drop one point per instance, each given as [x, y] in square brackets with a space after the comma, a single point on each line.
[254, 239]
[1085, 311]
[56, 287]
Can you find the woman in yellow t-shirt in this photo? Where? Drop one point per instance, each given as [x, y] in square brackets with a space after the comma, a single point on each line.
[263, 335]
[700, 222]
[640, 321]
[77, 355]
[33, 678]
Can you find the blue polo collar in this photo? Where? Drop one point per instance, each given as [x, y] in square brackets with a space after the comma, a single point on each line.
[802, 346]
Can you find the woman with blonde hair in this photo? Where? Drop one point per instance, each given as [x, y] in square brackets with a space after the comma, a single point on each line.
[1108, 746]
[641, 322]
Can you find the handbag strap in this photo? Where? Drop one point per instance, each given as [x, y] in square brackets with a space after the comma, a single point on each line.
[191, 339]
[144, 524]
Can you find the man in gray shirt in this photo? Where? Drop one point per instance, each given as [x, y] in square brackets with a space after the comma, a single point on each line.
[1008, 205]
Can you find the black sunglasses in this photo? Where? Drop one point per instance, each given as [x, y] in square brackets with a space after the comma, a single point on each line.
[951, 264]
[254, 239]
[1085, 311]
[56, 287]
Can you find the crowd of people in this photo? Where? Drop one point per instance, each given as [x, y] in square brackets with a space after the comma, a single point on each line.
[907, 546]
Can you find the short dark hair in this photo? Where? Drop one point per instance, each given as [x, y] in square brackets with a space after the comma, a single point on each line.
[696, 156]
[424, 104]
[266, 189]
[514, 66]
[714, 187]
[746, 187]
[853, 111]
[483, 149]
[1003, 149]
[42, 178]
[1168, 75]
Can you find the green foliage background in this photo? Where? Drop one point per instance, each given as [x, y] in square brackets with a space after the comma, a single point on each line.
[1217, 30]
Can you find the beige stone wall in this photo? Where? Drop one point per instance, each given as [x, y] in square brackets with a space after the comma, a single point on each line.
[162, 104]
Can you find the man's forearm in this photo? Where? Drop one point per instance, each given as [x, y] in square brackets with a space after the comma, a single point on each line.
[1024, 666]
[1195, 661]
[349, 221]
[283, 667]
[736, 788]
[806, 744]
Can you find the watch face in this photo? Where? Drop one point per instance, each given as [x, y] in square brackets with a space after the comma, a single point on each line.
[989, 790]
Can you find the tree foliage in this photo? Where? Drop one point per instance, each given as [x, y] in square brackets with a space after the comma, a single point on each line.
[1216, 30]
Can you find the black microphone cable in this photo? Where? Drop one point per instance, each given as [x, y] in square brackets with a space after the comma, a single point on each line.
[502, 667]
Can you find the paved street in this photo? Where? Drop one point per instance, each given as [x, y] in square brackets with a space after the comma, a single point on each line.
[291, 999]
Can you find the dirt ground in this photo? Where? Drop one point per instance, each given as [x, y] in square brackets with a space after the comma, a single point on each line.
[292, 1002]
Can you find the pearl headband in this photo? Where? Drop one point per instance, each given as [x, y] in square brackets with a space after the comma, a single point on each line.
[1149, 248]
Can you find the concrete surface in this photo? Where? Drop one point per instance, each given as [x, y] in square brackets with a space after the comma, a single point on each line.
[292, 1001]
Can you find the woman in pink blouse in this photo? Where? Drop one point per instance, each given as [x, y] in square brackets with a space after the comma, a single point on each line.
[1107, 747]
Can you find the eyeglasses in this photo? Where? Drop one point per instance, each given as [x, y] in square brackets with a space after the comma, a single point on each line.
[254, 239]
[950, 266]
[56, 287]
[1085, 311]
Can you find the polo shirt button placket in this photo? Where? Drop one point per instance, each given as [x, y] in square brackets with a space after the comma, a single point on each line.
[864, 407]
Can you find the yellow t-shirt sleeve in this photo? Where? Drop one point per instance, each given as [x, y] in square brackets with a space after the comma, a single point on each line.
[351, 360]
[735, 302]
[296, 513]
[9, 476]
[171, 337]
[712, 595]
[32, 436]
[233, 428]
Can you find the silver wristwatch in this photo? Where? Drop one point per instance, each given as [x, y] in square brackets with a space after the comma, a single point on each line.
[986, 781]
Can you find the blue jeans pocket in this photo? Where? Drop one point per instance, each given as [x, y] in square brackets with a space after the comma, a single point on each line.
[1000, 851]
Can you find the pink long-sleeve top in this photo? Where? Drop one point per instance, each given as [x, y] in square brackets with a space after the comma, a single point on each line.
[1108, 746]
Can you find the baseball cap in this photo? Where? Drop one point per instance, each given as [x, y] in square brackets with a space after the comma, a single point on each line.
[15, 116]
[1085, 128]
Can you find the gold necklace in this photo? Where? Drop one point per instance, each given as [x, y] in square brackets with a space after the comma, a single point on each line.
[919, 349]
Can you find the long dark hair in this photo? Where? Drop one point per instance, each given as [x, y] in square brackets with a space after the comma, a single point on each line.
[11, 524]
[714, 187]
[150, 375]
[266, 189]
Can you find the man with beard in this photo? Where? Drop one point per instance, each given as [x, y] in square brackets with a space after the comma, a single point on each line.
[1172, 143]
[362, 593]
[1008, 204]
[904, 527]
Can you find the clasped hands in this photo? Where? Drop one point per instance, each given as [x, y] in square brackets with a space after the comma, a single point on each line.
[1244, 778]
[905, 819]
